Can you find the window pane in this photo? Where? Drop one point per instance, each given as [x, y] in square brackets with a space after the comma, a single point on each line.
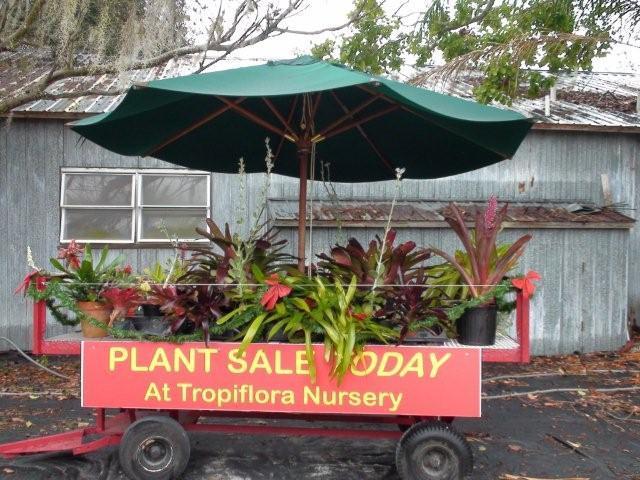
[97, 225]
[179, 223]
[178, 190]
[97, 189]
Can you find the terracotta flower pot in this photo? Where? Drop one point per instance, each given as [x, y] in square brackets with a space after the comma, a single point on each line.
[98, 311]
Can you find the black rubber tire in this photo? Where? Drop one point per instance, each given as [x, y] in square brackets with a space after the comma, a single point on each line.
[433, 451]
[154, 448]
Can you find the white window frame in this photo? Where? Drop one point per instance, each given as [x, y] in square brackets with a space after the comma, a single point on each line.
[140, 207]
[135, 206]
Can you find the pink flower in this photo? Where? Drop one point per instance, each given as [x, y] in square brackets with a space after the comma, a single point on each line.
[71, 254]
[121, 300]
[490, 213]
[127, 269]
[183, 247]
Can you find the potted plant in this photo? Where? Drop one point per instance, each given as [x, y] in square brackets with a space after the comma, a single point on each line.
[123, 302]
[77, 287]
[83, 279]
[391, 277]
[157, 275]
[482, 267]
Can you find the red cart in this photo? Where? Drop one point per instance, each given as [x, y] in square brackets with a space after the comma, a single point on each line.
[158, 392]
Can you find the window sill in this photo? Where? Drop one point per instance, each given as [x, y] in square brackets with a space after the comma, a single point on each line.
[137, 246]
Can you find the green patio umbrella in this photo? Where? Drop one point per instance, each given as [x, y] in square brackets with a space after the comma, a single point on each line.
[365, 125]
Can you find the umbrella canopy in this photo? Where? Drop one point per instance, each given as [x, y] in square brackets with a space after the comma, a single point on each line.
[365, 125]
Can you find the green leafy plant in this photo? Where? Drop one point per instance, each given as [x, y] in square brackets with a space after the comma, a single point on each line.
[316, 309]
[487, 264]
[169, 272]
[83, 276]
[79, 278]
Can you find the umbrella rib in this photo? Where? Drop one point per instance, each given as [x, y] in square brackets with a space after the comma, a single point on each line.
[294, 103]
[349, 126]
[340, 120]
[191, 128]
[316, 104]
[285, 123]
[363, 133]
[434, 122]
[255, 118]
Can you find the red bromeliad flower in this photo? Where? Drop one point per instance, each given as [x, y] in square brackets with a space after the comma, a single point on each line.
[121, 300]
[26, 281]
[71, 254]
[526, 283]
[127, 269]
[358, 316]
[276, 292]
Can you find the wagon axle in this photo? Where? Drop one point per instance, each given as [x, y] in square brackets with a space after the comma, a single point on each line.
[155, 445]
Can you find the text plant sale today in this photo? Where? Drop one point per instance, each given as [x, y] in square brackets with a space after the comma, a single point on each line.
[385, 380]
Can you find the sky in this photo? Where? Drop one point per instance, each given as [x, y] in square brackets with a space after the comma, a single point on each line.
[322, 13]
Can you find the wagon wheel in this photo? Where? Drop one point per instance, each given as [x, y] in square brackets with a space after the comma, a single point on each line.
[433, 451]
[154, 448]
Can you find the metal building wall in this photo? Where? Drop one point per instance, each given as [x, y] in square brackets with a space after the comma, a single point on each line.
[581, 306]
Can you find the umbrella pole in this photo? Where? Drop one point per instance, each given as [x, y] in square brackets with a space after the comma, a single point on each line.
[303, 157]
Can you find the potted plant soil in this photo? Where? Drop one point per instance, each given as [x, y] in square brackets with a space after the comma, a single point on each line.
[482, 266]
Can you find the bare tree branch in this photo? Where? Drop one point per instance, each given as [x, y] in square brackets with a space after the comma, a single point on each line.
[29, 20]
[250, 23]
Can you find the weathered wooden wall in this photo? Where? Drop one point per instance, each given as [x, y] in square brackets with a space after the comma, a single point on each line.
[582, 304]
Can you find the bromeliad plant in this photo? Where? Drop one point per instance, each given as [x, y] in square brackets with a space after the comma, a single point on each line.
[235, 259]
[79, 278]
[399, 264]
[484, 264]
[400, 279]
[304, 309]
[84, 277]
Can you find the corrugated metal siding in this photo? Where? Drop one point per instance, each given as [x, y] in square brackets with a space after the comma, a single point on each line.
[572, 111]
[581, 306]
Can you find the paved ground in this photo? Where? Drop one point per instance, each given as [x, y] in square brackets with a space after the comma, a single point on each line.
[586, 434]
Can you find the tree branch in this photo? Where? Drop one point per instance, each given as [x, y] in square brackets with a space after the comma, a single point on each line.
[258, 25]
[477, 18]
[29, 20]
[560, 390]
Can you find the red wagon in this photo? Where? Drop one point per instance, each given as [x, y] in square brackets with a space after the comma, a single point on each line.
[156, 393]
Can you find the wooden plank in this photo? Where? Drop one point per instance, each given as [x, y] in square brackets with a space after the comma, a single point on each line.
[5, 296]
[53, 155]
[17, 224]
